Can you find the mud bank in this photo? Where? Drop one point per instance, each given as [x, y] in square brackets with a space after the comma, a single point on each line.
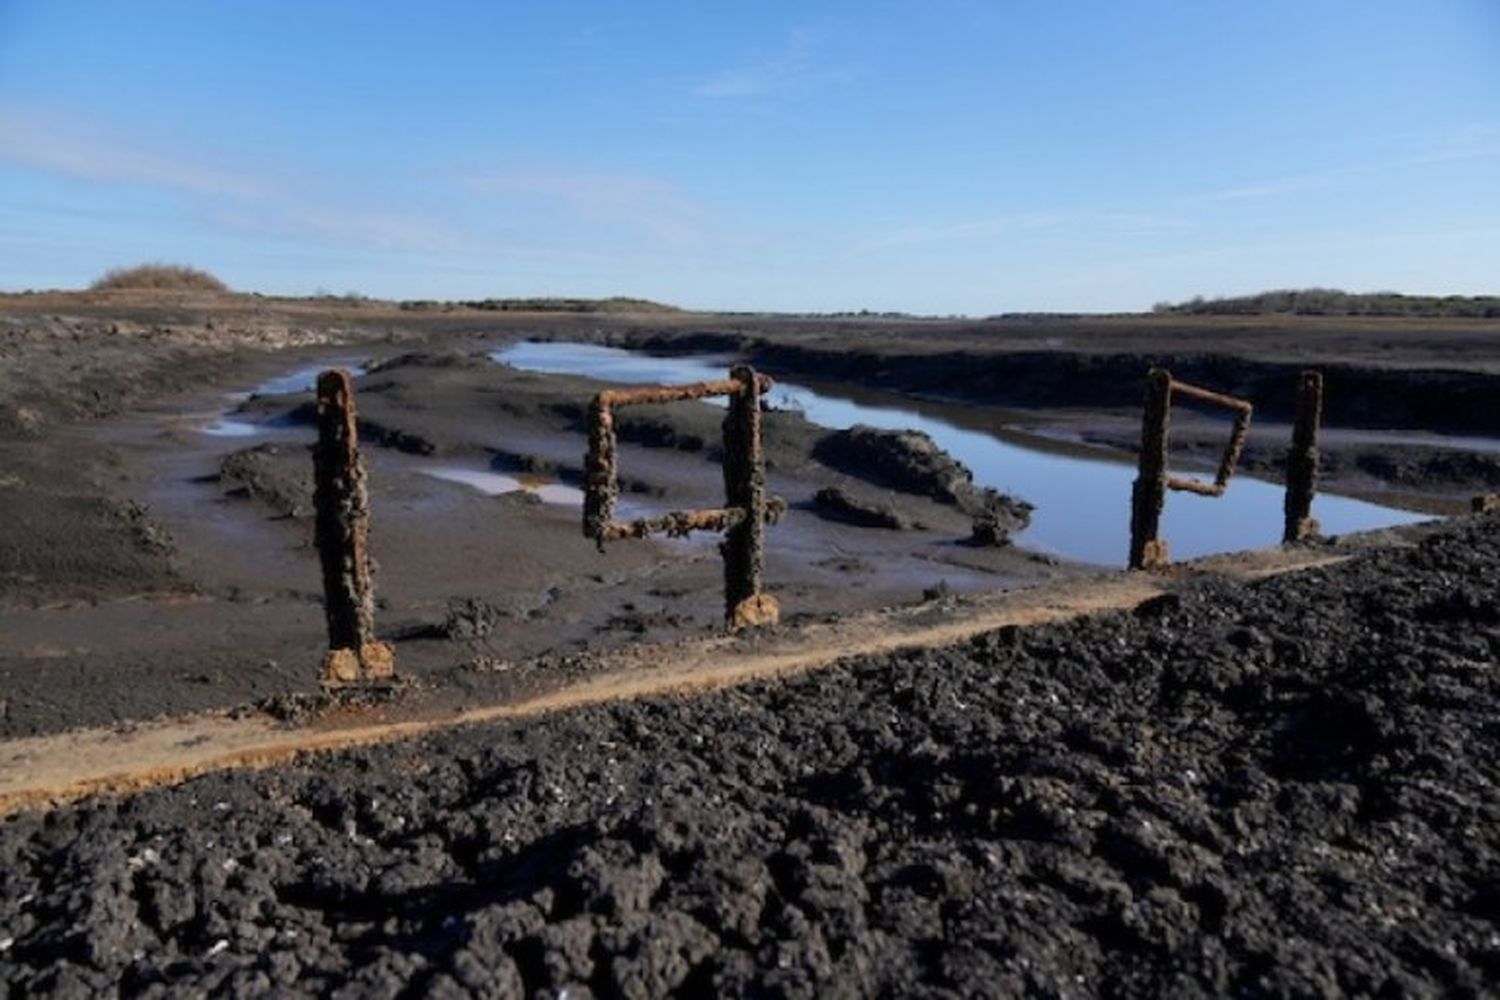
[1281, 788]
[149, 569]
[163, 570]
[1391, 375]
[1091, 378]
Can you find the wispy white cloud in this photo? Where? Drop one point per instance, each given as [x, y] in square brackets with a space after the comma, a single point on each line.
[1071, 224]
[1471, 142]
[343, 226]
[58, 145]
[297, 206]
[652, 205]
[795, 64]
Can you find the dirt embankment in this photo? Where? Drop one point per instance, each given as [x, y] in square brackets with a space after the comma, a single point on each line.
[85, 536]
[1412, 374]
[1080, 381]
[152, 570]
[1281, 789]
[162, 571]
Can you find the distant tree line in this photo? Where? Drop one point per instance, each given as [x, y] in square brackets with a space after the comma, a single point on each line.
[1333, 302]
[617, 304]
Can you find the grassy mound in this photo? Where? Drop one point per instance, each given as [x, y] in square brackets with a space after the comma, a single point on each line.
[161, 277]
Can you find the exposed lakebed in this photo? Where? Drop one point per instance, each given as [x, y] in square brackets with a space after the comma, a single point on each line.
[1082, 503]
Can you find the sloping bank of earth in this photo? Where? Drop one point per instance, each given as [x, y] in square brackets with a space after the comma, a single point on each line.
[1083, 381]
[1285, 787]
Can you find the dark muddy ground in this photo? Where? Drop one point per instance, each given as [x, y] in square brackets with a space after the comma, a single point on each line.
[146, 569]
[1276, 789]
[151, 569]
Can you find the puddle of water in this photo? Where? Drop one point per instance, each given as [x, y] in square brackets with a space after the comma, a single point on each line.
[224, 427]
[496, 483]
[303, 379]
[1082, 505]
[611, 364]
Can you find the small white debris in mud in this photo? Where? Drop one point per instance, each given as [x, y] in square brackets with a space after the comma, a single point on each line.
[6, 943]
[221, 807]
[282, 839]
[219, 946]
[231, 865]
[138, 861]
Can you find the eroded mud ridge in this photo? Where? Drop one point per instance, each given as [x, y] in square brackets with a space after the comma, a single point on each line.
[1278, 788]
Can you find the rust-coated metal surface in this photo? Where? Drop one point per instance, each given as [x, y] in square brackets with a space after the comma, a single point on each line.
[342, 501]
[1148, 550]
[747, 506]
[1302, 462]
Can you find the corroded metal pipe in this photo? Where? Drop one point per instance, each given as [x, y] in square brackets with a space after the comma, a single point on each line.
[677, 524]
[1302, 461]
[744, 545]
[600, 478]
[747, 506]
[1231, 457]
[342, 501]
[646, 395]
[1147, 550]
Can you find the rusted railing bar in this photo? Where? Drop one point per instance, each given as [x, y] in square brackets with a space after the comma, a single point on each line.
[1232, 451]
[1209, 396]
[1236, 447]
[1196, 486]
[675, 524]
[747, 504]
[676, 393]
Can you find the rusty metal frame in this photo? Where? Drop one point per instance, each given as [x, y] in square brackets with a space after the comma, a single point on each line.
[747, 505]
[1232, 451]
[601, 476]
[1148, 551]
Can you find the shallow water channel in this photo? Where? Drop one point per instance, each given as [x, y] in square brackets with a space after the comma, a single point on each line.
[1082, 504]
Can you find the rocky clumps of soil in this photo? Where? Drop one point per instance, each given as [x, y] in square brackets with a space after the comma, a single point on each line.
[1281, 788]
[1430, 467]
[910, 461]
[279, 477]
[839, 505]
[469, 618]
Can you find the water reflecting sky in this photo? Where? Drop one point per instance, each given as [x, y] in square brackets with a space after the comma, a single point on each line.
[1082, 504]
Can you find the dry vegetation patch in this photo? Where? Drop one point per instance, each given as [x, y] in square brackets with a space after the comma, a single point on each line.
[159, 277]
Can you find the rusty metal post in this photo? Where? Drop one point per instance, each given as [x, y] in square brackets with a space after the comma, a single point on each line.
[744, 545]
[1147, 550]
[1302, 462]
[342, 532]
[601, 488]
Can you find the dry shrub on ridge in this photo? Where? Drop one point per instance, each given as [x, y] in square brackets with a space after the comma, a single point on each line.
[161, 277]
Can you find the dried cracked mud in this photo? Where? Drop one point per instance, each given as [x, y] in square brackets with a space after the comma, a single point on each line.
[1283, 788]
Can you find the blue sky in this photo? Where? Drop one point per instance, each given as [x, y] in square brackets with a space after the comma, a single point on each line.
[945, 157]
